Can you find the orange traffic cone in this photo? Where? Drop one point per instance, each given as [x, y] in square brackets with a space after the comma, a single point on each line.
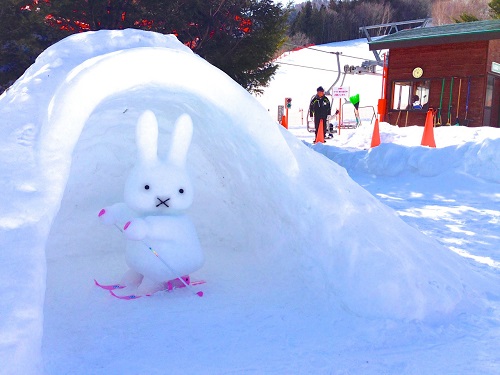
[284, 122]
[320, 137]
[376, 135]
[428, 136]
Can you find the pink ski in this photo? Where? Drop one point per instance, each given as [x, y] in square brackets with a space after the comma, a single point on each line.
[132, 296]
[109, 287]
[169, 286]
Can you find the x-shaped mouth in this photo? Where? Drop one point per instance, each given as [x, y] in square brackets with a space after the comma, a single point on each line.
[163, 202]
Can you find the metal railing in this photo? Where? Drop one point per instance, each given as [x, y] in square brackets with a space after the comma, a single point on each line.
[367, 114]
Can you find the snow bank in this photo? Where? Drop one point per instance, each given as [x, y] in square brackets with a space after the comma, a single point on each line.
[28, 205]
[474, 151]
[295, 217]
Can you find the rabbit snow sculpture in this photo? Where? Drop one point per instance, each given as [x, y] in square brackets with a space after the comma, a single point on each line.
[156, 194]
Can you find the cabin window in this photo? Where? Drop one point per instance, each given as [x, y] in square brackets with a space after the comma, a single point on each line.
[410, 95]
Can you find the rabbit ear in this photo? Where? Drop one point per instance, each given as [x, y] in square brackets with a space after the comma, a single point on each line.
[181, 139]
[147, 137]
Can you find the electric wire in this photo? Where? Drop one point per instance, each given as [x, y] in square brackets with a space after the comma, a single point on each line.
[309, 67]
[320, 50]
[312, 67]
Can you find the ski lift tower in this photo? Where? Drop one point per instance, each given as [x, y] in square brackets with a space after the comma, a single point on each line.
[389, 28]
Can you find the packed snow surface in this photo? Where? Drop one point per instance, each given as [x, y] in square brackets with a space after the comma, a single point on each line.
[365, 261]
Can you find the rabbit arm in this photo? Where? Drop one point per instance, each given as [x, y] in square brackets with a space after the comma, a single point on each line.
[114, 214]
[136, 229]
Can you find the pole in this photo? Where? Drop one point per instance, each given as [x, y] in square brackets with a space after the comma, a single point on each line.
[199, 294]
[338, 69]
[448, 122]
[384, 91]
[466, 121]
[438, 117]
[384, 78]
[457, 121]
[286, 116]
[340, 113]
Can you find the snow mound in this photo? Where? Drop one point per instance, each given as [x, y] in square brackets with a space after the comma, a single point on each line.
[23, 107]
[284, 214]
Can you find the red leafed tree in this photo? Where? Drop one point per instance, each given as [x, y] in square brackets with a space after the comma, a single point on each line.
[238, 36]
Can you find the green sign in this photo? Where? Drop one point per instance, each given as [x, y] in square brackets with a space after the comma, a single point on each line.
[495, 67]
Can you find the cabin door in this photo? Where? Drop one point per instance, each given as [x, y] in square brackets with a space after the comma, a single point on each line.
[492, 103]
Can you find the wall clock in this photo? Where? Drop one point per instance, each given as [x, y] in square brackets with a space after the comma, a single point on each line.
[418, 72]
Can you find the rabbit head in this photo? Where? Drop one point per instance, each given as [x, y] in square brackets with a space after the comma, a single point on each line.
[160, 187]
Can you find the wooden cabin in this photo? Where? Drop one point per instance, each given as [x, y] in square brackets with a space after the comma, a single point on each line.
[453, 69]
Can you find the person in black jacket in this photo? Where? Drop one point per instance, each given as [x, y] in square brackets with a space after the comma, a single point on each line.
[320, 108]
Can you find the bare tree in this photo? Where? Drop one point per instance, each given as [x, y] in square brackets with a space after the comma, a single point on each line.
[447, 11]
[373, 13]
[292, 42]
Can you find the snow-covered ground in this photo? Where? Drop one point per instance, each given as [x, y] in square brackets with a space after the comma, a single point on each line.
[384, 261]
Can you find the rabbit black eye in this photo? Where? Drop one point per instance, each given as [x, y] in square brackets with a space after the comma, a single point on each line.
[146, 187]
[181, 191]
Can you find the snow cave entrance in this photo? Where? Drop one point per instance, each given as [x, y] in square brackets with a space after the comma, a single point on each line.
[79, 248]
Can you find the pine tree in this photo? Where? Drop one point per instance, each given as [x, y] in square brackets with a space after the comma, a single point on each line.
[494, 12]
[303, 23]
[466, 17]
[92, 15]
[23, 35]
[494, 9]
[325, 21]
[238, 36]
